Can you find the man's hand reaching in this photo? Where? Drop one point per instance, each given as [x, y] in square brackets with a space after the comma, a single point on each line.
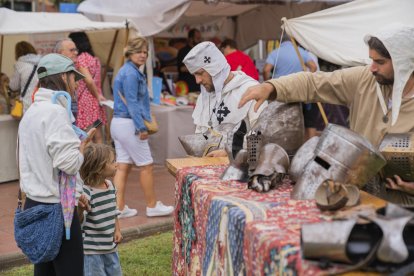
[398, 184]
[260, 93]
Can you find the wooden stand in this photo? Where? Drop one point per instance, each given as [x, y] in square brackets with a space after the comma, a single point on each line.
[173, 165]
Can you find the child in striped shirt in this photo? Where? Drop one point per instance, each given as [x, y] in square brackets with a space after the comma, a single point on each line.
[100, 223]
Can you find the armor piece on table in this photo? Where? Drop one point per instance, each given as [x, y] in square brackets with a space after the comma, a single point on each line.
[282, 124]
[235, 140]
[271, 167]
[381, 243]
[347, 241]
[254, 144]
[305, 153]
[278, 123]
[200, 144]
[327, 240]
[341, 155]
[392, 248]
[398, 150]
[238, 168]
[376, 186]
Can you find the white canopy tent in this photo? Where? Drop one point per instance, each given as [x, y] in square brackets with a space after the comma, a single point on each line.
[336, 34]
[43, 30]
[151, 16]
[247, 23]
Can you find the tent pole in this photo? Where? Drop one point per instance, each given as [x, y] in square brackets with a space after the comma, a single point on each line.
[126, 40]
[1, 52]
[111, 112]
[302, 63]
[149, 65]
[5, 87]
[111, 51]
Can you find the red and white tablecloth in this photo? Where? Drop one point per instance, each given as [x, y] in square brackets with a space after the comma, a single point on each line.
[223, 228]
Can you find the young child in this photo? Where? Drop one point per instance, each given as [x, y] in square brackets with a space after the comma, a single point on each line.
[100, 224]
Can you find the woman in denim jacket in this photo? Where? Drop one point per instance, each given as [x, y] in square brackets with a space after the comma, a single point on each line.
[131, 108]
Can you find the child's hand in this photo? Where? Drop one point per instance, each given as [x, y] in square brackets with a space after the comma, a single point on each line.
[87, 140]
[83, 203]
[118, 236]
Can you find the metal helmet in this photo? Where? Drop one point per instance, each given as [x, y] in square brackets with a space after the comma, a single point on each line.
[282, 124]
[254, 144]
[235, 140]
[200, 144]
[302, 157]
[271, 167]
[273, 159]
[341, 155]
[238, 168]
[398, 150]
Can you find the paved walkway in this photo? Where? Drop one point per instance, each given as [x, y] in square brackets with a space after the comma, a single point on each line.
[138, 226]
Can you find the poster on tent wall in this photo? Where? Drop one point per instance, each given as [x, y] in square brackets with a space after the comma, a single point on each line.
[45, 43]
[213, 28]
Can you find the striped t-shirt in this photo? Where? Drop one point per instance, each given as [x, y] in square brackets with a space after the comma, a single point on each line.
[99, 223]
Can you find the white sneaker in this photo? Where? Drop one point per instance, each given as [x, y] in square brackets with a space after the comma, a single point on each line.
[127, 212]
[159, 210]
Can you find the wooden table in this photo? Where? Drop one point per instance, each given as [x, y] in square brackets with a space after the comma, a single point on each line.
[208, 192]
[8, 138]
[173, 165]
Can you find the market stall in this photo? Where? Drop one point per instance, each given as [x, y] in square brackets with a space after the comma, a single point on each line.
[8, 138]
[222, 18]
[223, 228]
[43, 30]
[173, 121]
[318, 31]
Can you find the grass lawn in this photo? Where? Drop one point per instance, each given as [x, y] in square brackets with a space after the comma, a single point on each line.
[147, 256]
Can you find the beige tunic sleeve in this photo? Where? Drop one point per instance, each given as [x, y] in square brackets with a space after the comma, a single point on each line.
[338, 87]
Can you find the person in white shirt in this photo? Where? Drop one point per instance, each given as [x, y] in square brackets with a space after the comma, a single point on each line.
[221, 90]
[47, 145]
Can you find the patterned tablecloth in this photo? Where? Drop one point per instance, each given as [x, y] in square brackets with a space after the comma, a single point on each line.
[223, 228]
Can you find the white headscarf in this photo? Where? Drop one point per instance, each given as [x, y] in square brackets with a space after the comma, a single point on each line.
[207, 56]
[398, 39]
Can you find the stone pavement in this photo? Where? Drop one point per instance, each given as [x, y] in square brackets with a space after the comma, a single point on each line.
[134, 227]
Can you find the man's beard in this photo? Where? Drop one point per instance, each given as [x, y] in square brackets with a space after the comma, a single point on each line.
[383, 80]
[209, 88]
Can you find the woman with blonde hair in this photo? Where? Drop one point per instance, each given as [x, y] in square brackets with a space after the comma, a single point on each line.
[131, 108]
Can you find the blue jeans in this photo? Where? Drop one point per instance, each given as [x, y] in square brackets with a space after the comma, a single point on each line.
[102, 264]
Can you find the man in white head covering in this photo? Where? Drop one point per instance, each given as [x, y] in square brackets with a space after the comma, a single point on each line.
[379, 96]
[221, 90]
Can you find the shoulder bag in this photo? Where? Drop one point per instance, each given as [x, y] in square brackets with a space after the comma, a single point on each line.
[38, 230]
[152, 127]
[17, 109]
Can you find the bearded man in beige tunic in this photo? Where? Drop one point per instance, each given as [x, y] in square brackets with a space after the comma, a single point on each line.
[379, 96]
